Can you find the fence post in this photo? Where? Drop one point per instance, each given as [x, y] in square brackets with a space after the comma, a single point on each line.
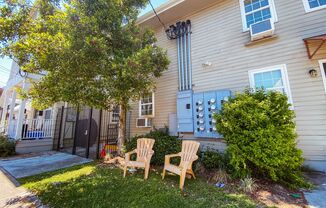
[89, 131]
[99, 136]
[75, 132]
[60, 128]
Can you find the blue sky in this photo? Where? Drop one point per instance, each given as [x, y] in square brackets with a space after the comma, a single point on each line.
[5, 63]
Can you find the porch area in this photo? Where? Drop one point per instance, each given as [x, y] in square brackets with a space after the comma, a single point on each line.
[32, 130]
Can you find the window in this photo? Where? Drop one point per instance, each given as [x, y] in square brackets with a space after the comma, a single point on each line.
[312, 5]
[254, 11]
[115, 115]
[146, 106]
[271, 78]
[322, 64]
[47, 114]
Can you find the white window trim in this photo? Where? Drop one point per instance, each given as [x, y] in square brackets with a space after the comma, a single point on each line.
[243, 14]
[285, 78]
[321, 62]
[153, 112]
[308, 9]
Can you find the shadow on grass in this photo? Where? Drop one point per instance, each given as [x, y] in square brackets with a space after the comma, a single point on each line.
[93, 185]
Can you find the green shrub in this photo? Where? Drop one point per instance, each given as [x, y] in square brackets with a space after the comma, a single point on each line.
[214, 160]
[259, 129]
[164, 145]
[7, 147]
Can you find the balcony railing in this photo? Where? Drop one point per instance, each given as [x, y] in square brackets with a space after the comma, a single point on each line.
[37, 128]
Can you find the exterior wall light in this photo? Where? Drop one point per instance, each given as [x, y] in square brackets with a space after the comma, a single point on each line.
[313, 73]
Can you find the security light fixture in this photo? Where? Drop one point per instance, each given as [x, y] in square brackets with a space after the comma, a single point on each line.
[313, 73]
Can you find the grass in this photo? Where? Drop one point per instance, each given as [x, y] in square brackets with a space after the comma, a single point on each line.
[94, 185]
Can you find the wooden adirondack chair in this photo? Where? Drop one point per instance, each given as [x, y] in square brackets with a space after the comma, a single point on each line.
[188, 155]
[144, 153]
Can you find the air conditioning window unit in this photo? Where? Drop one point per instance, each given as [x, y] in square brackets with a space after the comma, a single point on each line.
[144, 122]
[262, 29]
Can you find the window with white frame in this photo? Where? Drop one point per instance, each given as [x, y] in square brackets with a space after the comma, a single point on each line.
[115, 115]
[312, 5]
[322, 64]
[271, 78]
[146, 105]
[254, 11]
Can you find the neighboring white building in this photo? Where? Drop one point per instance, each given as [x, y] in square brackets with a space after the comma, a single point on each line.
[32, 129]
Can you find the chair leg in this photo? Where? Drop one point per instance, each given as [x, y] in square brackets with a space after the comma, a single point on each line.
[163, 174]
[146, 171]
[124, 171]
[192, 173]
[182, 179]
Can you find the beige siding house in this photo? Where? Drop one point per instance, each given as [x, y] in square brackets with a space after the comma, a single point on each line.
[223, 56]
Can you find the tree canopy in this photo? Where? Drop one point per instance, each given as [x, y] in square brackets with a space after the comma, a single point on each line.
[89, 52]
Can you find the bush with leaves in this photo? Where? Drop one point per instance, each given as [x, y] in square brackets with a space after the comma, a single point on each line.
[7, 147]
[164, 145]
[212, 159]
[259, 129]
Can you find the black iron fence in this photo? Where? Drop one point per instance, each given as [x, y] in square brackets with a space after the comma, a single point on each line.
[87, 132]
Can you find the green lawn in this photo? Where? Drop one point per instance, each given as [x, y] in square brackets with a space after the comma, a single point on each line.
[95, 185]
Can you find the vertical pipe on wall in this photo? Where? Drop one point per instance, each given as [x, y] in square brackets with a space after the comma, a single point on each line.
[179, 63]
[189, 53]
[182, 57]
[185, 56]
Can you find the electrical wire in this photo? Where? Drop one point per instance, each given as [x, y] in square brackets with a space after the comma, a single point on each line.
[159, 19]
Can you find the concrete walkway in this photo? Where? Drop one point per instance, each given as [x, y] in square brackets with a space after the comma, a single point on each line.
[317, 198]
[11, 194]
[49, 161]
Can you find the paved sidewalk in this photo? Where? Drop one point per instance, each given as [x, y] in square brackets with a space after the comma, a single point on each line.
[317, 197]
[12, 196]
[48, 161]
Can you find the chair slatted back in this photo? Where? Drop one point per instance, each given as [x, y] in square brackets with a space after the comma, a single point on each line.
[144, 146]
[188, 152]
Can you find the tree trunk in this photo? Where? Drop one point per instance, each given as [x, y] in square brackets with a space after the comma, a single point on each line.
[122, 128]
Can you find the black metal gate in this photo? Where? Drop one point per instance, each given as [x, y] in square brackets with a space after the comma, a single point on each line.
[86, 131]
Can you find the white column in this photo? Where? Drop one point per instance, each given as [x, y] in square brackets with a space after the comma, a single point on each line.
[11, 111]
[5, 106]
[21, 114]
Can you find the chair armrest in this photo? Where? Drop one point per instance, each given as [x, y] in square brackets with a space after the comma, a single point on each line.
[168, 157]
[128, 154]
[195, 158]
[149, 156]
